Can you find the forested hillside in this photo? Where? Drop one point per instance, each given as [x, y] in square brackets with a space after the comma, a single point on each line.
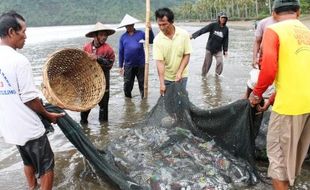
[71, 12]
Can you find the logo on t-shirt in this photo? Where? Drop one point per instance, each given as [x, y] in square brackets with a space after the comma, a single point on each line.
[4, 80]
[218, 33]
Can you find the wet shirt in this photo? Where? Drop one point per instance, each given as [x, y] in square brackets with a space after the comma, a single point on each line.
[131, 50]
[171, 51]
[106, 58]
[285, 60]
[18, 123]
[105, 51]
[218, 37]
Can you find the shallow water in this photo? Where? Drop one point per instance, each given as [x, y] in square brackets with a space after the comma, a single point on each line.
[72, 170]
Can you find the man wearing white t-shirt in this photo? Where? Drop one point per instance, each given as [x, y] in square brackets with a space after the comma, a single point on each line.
[20, 105]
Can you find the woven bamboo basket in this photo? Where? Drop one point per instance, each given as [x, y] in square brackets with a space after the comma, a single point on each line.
[71, 80]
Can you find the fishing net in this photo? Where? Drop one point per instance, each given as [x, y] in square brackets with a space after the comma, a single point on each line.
[178, 146]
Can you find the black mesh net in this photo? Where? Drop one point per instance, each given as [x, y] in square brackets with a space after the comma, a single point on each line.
[181, 146]
[178, 146]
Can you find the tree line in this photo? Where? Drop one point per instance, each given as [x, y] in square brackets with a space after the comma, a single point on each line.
[204, 10]
[79, 12]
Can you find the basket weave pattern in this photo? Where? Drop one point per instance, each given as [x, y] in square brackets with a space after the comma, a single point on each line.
[71, 80]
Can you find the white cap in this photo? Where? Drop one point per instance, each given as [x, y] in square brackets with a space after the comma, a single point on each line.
[128, 20]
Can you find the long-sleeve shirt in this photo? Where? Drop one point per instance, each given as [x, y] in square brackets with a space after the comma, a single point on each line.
[285, 60]
[269, 63]
[131, 50]
[106, 58]
[218, 37]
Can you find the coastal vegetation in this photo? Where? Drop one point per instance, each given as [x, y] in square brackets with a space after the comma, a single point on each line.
[204, 10]
[78, 12]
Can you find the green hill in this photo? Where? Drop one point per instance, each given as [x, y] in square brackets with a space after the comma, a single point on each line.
[73, 12]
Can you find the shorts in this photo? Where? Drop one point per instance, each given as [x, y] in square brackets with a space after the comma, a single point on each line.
[288, 140]
[38, 154]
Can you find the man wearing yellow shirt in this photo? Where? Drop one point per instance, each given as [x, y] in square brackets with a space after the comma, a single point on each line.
[285, 61]
[171, 50]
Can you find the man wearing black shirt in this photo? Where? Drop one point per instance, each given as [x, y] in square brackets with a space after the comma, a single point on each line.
[217, 43]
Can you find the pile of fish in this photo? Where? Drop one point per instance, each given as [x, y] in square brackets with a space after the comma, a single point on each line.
[168, 151]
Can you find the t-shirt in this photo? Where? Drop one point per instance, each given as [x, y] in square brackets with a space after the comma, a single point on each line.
[131, 49]
[171, 51]
[18, 123]
[262, 25]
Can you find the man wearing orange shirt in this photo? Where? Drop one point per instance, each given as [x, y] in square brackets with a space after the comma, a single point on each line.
[285, 61]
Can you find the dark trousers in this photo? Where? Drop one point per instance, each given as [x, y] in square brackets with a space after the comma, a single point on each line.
[129, 78]
[183, 82]
[103, 104]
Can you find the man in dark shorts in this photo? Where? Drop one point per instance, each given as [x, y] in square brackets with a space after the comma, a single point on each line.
[20, 105]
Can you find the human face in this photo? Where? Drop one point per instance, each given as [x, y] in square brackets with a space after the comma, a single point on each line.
[164, 25]
[130, 28]
[18, 37]
[101, 37]
[223, 20]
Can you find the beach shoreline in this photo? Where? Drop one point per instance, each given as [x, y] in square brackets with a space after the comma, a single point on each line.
[248, 24]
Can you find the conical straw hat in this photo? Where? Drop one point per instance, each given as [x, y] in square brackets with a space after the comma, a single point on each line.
[128, 20]
[100, 27]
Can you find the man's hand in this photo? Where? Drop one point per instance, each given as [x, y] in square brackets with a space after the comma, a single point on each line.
[178, 76]
[93, 57]
[264, 107]
[255, 63]
[162, 89]
[121, 71]
[37, 106]
[225, 53]
[254, 100]
[52, 117]
[149, 25]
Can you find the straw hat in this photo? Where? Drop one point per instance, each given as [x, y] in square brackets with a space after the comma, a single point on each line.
[73, 81]
[100, 27]
[128, 20]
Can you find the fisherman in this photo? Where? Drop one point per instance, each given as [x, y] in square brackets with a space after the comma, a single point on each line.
[20, 105]
[217, 44]
[285, 61]
[270, 93]
[261, 26]
[131, 54]
[103, 53]
[171, 50]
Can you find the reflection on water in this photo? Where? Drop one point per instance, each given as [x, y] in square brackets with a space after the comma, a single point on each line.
[212, 90]
[72, 170]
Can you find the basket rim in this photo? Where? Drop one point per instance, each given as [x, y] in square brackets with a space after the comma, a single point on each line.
[50, 92]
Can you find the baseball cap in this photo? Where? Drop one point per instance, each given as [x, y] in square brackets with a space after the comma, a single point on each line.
[284, 3]
[222, 14]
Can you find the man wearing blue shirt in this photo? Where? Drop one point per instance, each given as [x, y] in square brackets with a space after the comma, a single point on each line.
[131, 55]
